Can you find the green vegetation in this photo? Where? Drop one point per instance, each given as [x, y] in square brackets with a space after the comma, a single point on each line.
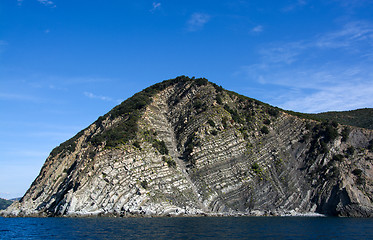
[370, 146]
[144, 184]
[345, 132]
[350, 151]
[160, 146]
[322, 134]
[224, 122]
[359, 118]
[201, 81]
[256, 168]
[211, 122]
[219, 99]
[189, 145]
[235, 115]
[330, 133]
[304, 115]
[338, 158]
[197, 104]
[264, 130]
[273, 111]
[130, 110]
[4, 203]
[267, 121]
[305, 137]
[136, 144]
[68, 146]
[359, 174]
[170, 162]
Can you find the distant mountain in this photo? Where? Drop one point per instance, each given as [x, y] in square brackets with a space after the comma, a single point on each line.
[15, 199]
[359, 118]
[4, 203]
[186, 146]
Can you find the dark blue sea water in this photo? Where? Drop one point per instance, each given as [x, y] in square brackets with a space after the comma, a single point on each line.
[187, 228]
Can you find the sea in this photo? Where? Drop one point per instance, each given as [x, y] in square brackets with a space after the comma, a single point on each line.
[187, 228]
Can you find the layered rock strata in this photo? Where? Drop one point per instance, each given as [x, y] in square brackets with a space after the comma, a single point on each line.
[188, 147]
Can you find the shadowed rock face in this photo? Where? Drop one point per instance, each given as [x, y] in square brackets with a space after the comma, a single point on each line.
[187, 146]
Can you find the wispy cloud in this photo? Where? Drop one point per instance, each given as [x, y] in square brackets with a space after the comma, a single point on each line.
[27, 153]
[18, 97]
[353, 3]
[315, 89]
[331, 71]
[354, 37]
[99, 97]
[47, 3]
[337, 98]
[282, 53]
[156, 6]
[348, 37]
[2, 45]
[63, 82]
[197, 21]
[19, 2]
[295, 5]
[257, 29]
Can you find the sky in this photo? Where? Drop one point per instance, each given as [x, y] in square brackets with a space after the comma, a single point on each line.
[64, 63]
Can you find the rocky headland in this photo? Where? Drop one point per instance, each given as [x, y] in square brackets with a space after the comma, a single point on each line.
[189, 147]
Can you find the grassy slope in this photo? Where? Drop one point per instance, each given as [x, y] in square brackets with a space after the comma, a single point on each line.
[360, 118]
[4, 203]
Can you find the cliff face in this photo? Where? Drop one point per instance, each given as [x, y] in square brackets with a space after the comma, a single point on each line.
[187, 146]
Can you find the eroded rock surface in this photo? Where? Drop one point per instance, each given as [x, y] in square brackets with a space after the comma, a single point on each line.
[193, 148]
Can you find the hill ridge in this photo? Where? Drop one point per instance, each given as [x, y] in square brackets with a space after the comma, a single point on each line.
[186, 146]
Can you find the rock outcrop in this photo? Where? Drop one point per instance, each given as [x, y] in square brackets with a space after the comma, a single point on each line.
[189, 147]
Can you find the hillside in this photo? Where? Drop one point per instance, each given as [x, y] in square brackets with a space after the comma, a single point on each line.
[186, 146]
[4, 203]
[359, 118]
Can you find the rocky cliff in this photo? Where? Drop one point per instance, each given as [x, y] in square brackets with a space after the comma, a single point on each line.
[189, 147]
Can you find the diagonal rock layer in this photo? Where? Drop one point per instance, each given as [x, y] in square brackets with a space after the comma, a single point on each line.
[189, 147]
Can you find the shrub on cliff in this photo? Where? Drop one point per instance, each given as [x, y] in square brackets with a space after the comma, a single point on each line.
[160, 146]
[264, 130]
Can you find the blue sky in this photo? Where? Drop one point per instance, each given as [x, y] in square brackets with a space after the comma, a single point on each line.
[64, 63]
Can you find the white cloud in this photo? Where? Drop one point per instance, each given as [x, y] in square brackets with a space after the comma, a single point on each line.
[156, 6]
[295, 5]
[354, 37]
[328, 88]
[47, 3]
[337, 98]
[18, 97]
[353, 3]
[91, 95]
[352, 33]
[257, 29]
[27, 153]
[331, 71]
[103, 98]
[197, 21]
[283, 53]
